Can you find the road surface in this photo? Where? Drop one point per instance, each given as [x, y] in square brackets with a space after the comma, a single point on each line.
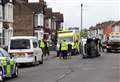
[103, 69]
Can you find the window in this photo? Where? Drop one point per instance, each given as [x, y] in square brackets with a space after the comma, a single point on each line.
[20, 44]
[68, 39]
[11, 1]
[35, 44]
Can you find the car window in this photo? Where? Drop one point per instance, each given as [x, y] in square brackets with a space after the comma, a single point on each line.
[35, 44]
[20, 44]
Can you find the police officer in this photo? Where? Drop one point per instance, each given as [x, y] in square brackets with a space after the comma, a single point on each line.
[77, 46]
[47, 47]
[42, 46]
[69, 50]
[64, 49]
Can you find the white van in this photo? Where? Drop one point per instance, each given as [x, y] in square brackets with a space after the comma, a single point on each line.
[26, 49]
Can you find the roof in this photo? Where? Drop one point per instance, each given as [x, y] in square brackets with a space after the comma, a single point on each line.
[59, 17]
[48, 12]
[116, 23]
[36, 7]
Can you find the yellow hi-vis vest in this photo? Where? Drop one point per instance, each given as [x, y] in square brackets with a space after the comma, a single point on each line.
[42, 44]
[64, 46]
[77, 45]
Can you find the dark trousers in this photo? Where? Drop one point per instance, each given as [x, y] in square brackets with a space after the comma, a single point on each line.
[64, 54]
[44, 51]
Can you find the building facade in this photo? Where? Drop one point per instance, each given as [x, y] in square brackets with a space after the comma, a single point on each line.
[6, 18]
[23, 19]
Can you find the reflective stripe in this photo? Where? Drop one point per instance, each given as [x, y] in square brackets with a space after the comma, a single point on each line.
[11, 61]
[4, 63]
[8, 69]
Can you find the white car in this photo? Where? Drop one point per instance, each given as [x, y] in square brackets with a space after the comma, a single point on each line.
[26, 49]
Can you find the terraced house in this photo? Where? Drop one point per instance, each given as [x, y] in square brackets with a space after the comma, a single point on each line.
[6, 21]
[29, 18]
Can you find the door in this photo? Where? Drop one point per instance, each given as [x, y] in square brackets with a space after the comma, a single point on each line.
[6, 60]
[37, 50]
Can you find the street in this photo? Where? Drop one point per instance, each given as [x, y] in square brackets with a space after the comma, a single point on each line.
[103, 69]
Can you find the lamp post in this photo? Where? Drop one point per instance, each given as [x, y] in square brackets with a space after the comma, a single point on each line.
[81, 22]
[81, 18]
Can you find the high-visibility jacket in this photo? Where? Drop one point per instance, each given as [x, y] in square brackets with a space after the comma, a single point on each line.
[77, 46]
[64, 46]
[42, 44]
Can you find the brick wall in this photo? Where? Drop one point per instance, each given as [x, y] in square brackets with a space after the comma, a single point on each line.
[23, 20]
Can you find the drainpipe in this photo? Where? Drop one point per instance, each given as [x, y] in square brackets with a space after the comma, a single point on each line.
[33, 23]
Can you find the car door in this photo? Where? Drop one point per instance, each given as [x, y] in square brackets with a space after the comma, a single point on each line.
[37, 50]
[7, 58]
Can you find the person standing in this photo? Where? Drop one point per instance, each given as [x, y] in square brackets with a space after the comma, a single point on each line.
[47, 47]
[69, 50]
[64, 49]
[77, 46]
[42, 46]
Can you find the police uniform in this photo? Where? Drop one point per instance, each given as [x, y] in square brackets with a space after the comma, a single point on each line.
[42, 46]
[64, 49]
[77, 47]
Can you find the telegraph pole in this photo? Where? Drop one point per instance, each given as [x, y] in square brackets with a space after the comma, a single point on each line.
[81, 22]
[81, 18]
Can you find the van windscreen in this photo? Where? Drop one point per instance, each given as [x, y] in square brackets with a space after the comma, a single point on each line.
[20, 44]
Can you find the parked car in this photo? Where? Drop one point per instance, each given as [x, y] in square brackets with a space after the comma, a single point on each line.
[26, 49]
[8, 65]
[104, 44]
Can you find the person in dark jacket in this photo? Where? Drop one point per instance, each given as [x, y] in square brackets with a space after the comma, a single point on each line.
[64, 49]
[47, 48]
[69, 50]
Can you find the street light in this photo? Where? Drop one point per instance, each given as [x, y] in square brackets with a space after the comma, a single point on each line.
[81, 17]
[81, 22]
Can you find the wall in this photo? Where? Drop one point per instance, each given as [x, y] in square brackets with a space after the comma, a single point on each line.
[23, 20]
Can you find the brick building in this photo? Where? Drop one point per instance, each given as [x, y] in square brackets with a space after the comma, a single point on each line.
[23, 18]
[59, 20]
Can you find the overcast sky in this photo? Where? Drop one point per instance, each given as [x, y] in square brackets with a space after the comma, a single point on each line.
[94, 11]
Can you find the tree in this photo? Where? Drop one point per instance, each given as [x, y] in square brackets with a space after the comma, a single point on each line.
[84, 33]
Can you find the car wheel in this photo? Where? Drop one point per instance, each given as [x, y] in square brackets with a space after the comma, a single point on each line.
[35, 61]
[108, 50]
[1, 78]
[16, 72]
[41, 62]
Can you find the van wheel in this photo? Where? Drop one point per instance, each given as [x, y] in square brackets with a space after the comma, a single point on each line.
[41, 62]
